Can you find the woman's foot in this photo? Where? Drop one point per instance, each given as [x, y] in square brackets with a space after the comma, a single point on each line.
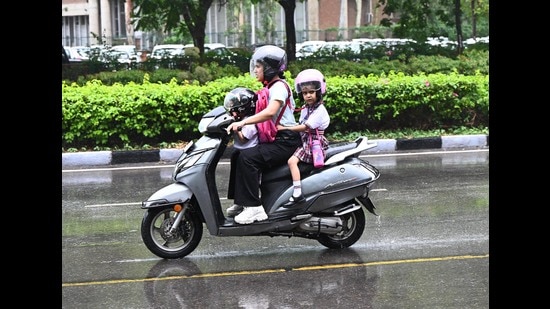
[294, 200]
[251, 214]
[234, 210]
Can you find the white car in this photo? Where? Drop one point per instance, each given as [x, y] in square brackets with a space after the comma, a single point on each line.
[218, 51]
[214, 48]
[167, 51]
[119, 55]
[441, 41]
[337, 47]
[308, 47]
[131, 50]
[77, 53]
[471, 41]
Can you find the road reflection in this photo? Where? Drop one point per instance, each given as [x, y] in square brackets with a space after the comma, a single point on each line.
[180, 283]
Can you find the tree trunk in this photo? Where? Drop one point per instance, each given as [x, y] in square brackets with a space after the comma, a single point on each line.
[458, 21]
[289, 6]
[474, 18]
[129, 6]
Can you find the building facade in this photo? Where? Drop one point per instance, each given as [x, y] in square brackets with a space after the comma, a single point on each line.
[98, 22]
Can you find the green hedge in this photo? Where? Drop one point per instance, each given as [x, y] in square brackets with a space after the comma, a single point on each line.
[97, 115]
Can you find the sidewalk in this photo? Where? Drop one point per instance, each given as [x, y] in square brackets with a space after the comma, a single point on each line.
[102, 158]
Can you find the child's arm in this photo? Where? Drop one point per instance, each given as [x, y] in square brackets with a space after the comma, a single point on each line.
[241, 137]
[296, 128]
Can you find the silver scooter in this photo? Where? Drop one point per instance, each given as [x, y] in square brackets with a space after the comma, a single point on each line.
[332, 212]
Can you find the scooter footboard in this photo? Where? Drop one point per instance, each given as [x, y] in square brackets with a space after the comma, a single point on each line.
[169, 195]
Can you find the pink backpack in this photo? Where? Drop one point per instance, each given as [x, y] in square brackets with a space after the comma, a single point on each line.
[267, 130]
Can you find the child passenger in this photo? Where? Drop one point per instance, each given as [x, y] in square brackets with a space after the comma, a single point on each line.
[310, 86]
[241, 103]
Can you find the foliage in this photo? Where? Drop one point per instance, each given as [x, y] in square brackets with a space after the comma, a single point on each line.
[97, 115]
[167, 15]
[420, 19]
[474, 59]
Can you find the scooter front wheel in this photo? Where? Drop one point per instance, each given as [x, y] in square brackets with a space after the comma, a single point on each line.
[353, 227]
[157, 237]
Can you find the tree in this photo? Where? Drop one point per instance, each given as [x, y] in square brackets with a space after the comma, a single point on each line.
[458, 24]
[167, 15]
[478, 8]
[289, 6]
[128, 16]
[420, 19]
[417, 18]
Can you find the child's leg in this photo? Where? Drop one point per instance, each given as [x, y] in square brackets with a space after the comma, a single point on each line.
[295, 172]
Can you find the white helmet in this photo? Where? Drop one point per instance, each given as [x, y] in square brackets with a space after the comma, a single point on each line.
[272, 58]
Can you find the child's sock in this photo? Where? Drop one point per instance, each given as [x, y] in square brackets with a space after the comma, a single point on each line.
[297, 188]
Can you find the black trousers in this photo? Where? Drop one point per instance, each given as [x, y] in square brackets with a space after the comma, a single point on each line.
[232, 172]
[253, 161]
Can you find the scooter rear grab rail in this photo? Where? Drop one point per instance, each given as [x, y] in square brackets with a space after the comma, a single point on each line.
[339, 152]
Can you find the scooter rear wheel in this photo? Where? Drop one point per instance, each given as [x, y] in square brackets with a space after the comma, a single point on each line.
[157, 238]
[353, 227]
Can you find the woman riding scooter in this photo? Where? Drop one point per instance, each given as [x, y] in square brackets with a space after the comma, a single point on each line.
[267, 64]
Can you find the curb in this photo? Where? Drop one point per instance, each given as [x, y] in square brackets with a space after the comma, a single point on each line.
[99, 158]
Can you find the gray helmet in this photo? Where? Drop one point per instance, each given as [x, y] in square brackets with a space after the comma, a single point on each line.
[272, 58]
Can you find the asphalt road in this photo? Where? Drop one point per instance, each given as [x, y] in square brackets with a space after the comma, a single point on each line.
[429, 248]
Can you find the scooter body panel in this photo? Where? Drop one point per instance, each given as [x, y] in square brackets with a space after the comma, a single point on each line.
[323, 188]
[199, 177]
[169, 195]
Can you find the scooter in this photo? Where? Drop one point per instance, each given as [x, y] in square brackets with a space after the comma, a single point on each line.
[332, 212]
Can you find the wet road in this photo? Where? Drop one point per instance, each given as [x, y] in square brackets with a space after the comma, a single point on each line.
[428, 249]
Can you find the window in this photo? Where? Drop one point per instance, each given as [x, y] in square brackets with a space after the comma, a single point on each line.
[118, 17]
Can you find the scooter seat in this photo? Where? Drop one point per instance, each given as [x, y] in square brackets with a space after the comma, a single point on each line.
[337, 148]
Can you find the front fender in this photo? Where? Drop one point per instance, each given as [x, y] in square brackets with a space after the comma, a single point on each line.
[169, 195]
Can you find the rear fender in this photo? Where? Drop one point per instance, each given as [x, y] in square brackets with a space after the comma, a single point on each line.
[369, 205]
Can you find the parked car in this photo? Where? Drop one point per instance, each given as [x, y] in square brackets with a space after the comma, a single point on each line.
[337, 50]
[64, 55]
[117, 59]
[218, 49]
[307, 48]
[441, 41]
[135, 56]
[163, 51]
[218, 52]
[77, 53]
[473, 41]
[388, 43]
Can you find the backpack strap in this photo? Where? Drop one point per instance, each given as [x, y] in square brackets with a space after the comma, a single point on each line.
[287, 99]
